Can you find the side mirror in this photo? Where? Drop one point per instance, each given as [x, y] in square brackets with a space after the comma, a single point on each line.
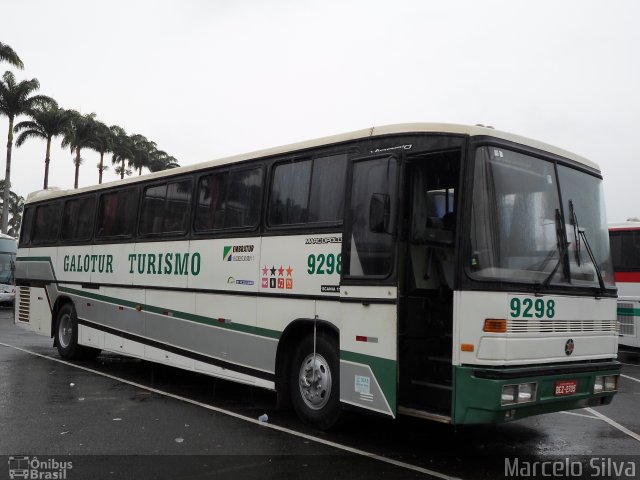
[379, 212]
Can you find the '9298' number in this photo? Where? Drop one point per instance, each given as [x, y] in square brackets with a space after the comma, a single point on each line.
[530, 308]
[324, 264]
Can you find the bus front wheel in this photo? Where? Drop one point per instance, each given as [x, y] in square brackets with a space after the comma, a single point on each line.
[67, 333]
[315, 382]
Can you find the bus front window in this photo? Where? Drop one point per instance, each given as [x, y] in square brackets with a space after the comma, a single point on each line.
[521, 233]
[6, 268]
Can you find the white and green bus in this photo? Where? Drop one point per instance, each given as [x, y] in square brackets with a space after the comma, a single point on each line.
[455, 273]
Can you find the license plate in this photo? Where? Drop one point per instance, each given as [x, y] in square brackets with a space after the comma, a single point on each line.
[566, 387]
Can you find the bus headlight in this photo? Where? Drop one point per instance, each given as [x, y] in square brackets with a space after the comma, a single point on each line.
[520, 393]
[509, 393]
[598, 385]
[526, 392]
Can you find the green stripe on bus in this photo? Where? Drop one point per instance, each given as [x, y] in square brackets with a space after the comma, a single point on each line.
[34, 259]
[628, 312]
[383, 369]
[238, 327]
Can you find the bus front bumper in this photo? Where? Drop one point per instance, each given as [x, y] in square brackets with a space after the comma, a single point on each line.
[482, 394]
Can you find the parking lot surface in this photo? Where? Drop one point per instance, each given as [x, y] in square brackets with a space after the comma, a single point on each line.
[117, 417]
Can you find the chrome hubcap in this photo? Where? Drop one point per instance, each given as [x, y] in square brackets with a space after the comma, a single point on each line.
[315, 381]
[65, 331]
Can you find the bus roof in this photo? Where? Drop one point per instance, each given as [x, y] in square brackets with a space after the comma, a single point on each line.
[628, 225]
[406, 128]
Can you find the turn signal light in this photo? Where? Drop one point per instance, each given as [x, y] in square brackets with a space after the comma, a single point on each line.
[495, 325]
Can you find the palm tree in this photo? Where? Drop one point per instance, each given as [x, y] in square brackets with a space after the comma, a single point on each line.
[122, 170]
[101, 169]
[79, 135]
[47, 121]
[8, 55]
[16, 207]
[121, 149]
[16, 204]
[143, 150]
[162, 161]
[15, 99]
[102, 143]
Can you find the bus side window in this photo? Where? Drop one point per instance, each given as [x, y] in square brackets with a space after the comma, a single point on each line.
[243, 199]
[117, 213]
[210, 210]
[289, 199]
[47, 223]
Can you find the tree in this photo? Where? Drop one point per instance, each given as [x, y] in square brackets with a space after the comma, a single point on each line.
[137, 152]
[8, 55]
[79, 135]
[15, 99]
[121, 149]
[162, 161]
[147, 155]
[16, 205]
[143, 150]
[48, 120]
[102, 143]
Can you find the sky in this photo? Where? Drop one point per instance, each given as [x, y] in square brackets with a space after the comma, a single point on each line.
[206, 79]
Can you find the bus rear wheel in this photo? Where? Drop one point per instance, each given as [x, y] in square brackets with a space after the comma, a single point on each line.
[315, 382]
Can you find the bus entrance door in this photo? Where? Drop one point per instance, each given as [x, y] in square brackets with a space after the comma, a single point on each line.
[426, 287]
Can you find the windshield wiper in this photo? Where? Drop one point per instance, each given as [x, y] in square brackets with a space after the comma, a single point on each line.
[563, 248]
[581, 232]
[576, 230]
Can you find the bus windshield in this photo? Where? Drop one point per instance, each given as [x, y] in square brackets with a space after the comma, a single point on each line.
[6, 268]
[533, 223]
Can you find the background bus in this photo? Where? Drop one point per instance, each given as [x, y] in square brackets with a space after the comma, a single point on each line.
[454, 273]
[625, 252]
[8, 249]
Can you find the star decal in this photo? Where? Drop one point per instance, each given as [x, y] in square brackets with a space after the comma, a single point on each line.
[273, 270]
[289, 271]
[280, 271]
[265, 270]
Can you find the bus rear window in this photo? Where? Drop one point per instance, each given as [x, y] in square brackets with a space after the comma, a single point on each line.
[27, 218]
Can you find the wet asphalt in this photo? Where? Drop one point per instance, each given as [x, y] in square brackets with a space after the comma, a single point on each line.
[117, 417]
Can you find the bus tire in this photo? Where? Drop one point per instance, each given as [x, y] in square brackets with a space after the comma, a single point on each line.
[316, 399]
[67, 333]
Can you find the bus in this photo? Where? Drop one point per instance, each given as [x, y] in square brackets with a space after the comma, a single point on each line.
[8, 249]
[625, 253]
[453, 273]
